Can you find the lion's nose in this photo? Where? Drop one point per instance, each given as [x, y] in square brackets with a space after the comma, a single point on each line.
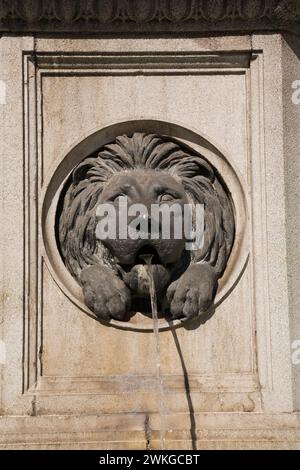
[147, 221]
[153, 227]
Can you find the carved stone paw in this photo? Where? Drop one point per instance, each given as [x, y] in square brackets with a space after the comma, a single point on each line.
[105, 293]
[193, 293]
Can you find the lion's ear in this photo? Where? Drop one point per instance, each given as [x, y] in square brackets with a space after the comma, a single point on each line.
[80, 172]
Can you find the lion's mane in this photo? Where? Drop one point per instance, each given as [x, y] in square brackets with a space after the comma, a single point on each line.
[77, 221]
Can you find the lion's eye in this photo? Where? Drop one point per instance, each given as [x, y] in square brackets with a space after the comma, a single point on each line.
[166, 197]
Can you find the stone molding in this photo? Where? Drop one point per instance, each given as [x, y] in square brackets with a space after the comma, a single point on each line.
[214, 431]
[148, 16]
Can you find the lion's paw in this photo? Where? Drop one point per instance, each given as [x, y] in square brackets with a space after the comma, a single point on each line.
[105, 293]
[192, 294]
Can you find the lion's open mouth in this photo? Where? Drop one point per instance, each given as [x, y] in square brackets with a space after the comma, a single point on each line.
[147, 250]
[137, 278]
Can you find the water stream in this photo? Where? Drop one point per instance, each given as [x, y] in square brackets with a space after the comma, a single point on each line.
[160, 385]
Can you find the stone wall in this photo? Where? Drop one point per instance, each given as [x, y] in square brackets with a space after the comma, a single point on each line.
[69, 381]
[290, 55]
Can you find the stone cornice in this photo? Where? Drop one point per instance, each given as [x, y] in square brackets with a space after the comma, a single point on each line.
[148, 16]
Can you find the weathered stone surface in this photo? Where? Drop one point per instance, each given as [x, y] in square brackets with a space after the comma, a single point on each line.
[213, 431]
[291, 64]
[71, 382]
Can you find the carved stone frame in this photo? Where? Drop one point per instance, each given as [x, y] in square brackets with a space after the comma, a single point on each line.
[38, 65]
[272, 335]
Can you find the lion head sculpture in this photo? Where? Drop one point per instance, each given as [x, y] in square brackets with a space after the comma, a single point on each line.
[146, 169]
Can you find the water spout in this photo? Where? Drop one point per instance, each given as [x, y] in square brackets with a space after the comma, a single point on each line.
[148, 261]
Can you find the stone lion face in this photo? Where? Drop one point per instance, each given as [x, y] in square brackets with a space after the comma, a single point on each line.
[145, 169]
[149, 188]
[146, 187]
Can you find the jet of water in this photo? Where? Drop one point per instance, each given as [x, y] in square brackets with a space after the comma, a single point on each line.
[148, 260]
